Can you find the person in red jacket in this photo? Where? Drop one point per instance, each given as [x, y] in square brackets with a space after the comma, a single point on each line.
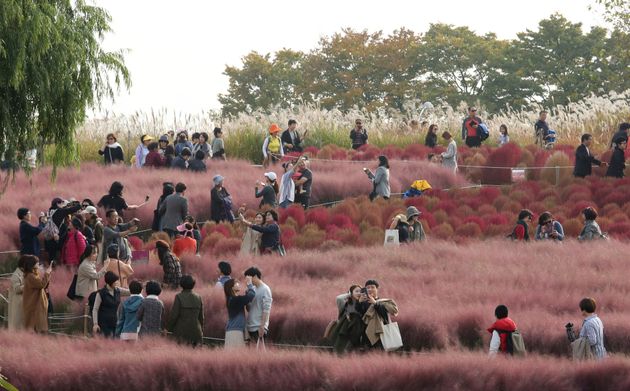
[154, 158]
[521, 229]
[185, 242]
[75, 244]
[501, 330]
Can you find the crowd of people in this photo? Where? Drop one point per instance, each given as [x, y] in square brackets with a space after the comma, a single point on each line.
[548, 228]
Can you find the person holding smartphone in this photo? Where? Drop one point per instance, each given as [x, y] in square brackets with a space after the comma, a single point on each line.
[34, 298]
[377, 312]
[348, 331]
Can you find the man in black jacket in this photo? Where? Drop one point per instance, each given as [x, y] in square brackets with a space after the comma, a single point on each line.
[291, 141]
[583, 159]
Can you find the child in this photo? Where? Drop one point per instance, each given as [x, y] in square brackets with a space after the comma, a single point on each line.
[504, 137]
[128, 324]
[151, 311]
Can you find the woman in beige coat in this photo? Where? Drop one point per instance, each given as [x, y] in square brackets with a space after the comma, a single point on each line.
[35, 302]
[251, 238]
[16, 316]
[87, 276]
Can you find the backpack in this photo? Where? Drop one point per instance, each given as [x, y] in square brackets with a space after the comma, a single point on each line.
[515, 343]
[50, 229]
[484, 133]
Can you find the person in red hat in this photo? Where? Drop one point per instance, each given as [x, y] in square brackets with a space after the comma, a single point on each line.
[272, 147]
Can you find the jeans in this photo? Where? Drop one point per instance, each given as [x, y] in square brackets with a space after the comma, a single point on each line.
[285, 204]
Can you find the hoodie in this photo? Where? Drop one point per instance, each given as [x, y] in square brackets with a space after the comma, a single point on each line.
[128, 321]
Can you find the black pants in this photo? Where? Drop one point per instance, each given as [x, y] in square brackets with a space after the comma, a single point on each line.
[303, 199]
[171, 233]
[473, 141]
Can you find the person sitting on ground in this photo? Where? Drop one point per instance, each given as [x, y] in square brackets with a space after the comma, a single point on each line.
[128, 324]
[617, 163]
[220, 202]
[449, 158]
[416, 230]
[591, 229]
[29, 241]
[142, 150]
[377, 312]
[270, 238]
[259, 310]
[112, 152]
[592, 328]
[348, 331]
[269, 192]
[236, 304]
[584, 161]
[34, 298]
[15, 315]
[170, 264]
[154, 158]
[504, 137]
[182, 143]
[251, 238]
[501, 330]
[358, 135]
[521, 229]
[115, 233]
[622, 133]
[173, 210]
[431, 139]
[106, 303]
[286, 196]
[225, 271]
[218, 146]
[122, 269]
[186, 318]
[400, 223]
[151, 310]
[549, 228]
[380, 179]
[272, 147]
[185, 243]
[181, 162]
[87, 276]
[197, 164]
[114, 200]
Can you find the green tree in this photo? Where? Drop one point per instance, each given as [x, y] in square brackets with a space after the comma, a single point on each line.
[617, 12]
[52, 68]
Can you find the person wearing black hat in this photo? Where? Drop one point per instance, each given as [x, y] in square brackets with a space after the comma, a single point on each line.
[584, 161]
[618, 159]
[163, 142]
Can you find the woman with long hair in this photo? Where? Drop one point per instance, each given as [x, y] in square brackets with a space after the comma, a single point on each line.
[269, 192]
[380, 179]
[112, 152]
[350, 327]
[235, 327]
[270, 238]
[168, 188]
[114, 200]
[431, 139]
[251, 238]
[35, 300]
[170, 264]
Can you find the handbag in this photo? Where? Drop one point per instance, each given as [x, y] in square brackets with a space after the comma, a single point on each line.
[391, 339]
[329, 329]
[72, 290]
[391, 237]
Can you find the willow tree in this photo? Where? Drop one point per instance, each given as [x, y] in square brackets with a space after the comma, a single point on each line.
[52, 69]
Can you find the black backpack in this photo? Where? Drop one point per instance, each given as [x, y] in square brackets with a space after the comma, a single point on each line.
[91, 300]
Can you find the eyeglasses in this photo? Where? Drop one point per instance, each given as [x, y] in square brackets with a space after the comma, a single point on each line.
[85, 205]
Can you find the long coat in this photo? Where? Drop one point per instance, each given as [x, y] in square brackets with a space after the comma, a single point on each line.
[186, 318]
[449, 158]
[35, 302]
[173, 211]
[381, 182]
[584, 162]
[16, 312]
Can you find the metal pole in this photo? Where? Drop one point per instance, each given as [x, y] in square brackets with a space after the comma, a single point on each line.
[85, 320]
[557, 176]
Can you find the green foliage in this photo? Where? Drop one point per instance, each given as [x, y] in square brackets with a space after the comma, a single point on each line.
[52, 68]
[617, 12]
[555, 64]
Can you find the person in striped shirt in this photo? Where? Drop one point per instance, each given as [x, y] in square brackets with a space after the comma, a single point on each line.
[592, 328]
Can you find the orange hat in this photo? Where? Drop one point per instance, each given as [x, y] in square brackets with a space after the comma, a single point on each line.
[274, 128]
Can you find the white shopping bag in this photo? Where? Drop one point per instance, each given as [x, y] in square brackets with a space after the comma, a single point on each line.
[391, 338]
[391, 237]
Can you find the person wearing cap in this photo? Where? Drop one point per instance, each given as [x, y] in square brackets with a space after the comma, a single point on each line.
[220, 202]
[218, 146]
[400, 223]
[95, 224]
[182, 142]
[112, 152]
[377, 312]
[269, 192]
[143, 150]
[163, 143]
[272, 147]
[470, 131]
[29, 242]
[154, 158]
[182, 160]
[173, 210]
[74, 245]
[416, 230]
[185, 243]
[618, 159]
[449, 158]
[358, 134]
[197, 164]
[291, 141]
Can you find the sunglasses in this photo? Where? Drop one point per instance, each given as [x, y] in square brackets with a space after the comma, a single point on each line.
[85, 205]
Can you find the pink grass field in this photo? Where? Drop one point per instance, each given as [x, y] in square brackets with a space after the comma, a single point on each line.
[58, 363]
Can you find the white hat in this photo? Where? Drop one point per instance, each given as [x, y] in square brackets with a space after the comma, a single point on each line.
[271, 175]
[90, 209]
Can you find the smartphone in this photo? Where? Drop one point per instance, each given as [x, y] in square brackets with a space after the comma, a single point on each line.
[364, 291]
[52, 263]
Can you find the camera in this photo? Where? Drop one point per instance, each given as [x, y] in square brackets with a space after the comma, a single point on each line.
[570, 332]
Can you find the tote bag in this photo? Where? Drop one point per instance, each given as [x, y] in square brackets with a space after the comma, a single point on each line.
[391, 338]
[391, 237]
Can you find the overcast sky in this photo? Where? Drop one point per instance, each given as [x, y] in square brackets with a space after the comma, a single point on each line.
[178, 49]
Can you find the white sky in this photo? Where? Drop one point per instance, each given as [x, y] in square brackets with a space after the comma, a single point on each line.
[178, 49]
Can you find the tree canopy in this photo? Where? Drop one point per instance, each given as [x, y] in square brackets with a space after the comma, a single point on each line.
[52, 69]
[555, 63]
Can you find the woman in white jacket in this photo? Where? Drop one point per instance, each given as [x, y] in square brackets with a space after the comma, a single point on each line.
[87, 276]
[449, 158]
[16, 313]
